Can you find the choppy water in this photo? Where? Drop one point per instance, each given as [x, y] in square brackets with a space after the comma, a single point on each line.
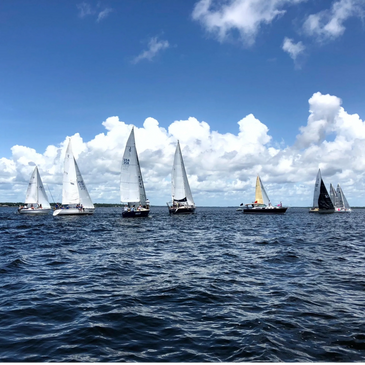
[214, 286]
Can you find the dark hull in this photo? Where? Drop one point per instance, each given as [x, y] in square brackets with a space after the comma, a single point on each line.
[136, 214]
[181, 210]
[264, 211]
[326, 211]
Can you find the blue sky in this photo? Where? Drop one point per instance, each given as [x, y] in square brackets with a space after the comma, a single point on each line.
[68, 66]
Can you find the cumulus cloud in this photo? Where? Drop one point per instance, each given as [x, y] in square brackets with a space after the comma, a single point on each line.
[294, 49]
[244, 16]
[329, 24]
[221, 167]
[154, 47]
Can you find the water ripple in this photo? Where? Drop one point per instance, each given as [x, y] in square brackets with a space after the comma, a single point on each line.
[214, 286]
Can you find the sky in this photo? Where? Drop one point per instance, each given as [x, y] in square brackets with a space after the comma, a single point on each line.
[248, 87]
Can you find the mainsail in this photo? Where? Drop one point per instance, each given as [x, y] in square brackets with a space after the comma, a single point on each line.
[324, 200]
[342, 201]
[317, 188]
[35, 192]
[74, 189]
[180, 188]
[131, 184]
[333, 196]
[261, 195]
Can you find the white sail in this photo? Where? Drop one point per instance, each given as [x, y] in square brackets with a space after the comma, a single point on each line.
[333, 196]
[131, 182]
[317, 189]
[36, 193]
[343, 203]
[180, 188]
[74, 189]
[261, 196]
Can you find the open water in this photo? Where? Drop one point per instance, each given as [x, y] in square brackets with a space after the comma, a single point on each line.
[215, 286]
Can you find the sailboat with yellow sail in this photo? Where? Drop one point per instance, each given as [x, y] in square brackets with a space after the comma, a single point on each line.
[262, 204]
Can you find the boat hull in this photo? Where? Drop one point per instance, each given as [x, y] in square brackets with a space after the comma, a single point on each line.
[326, 211]
[313, 210]
[73, 211]
[182, 210]
[281, 210]
[33, 211]
[342, 210]
[136, 213]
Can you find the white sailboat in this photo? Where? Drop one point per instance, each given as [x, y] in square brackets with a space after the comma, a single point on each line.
[132, 191]
[182, 199]
[36, 201]
[342, 205]
[322, 202]
[75, 197]
[262, 202]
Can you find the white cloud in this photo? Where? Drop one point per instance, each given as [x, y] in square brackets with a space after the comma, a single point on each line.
[222, 167]
[103, 14]
[154, 47]
[329, 24]
[85, 9]
[244, 16]
[294, 49]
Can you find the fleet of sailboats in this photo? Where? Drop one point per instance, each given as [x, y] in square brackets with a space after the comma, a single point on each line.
[182, 201]
[132, 191]
[262, 204]
[36, 201]
[322, 202]
[75, 197]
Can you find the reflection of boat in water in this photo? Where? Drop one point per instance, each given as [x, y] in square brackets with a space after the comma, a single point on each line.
[341, 204]
[75, 197]
[132, 191]
[182, 199]
[36, 201]
[262, 204]
[322, 202]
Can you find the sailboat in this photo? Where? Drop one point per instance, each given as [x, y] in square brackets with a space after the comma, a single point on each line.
[262, 202]
[322, 202]
[182, 199]
[75, 197]
[132, 191]
[342, 205]
[36, 201]
[333, 196]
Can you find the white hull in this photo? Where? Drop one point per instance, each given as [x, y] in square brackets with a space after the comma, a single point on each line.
[73, 211]
[338, 210]
[33, 211]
